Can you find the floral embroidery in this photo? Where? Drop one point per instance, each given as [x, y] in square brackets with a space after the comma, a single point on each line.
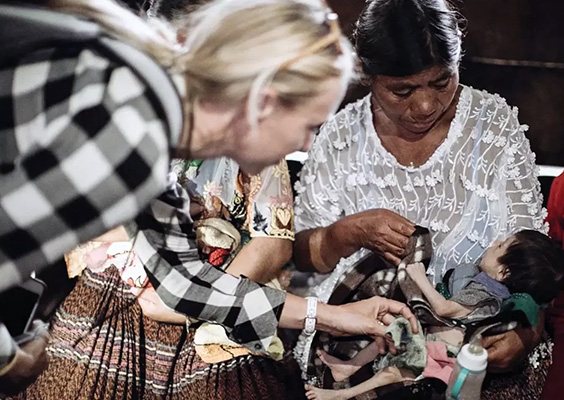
[454, 193]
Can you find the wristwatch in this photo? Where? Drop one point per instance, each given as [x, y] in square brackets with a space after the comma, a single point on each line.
[311, 316]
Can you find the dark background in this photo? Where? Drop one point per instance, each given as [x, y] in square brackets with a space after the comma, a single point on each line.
[514, 48]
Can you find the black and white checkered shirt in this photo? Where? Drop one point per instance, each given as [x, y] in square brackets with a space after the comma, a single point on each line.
[83, 149]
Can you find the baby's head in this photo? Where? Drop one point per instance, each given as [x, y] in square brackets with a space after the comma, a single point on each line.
[527, 262]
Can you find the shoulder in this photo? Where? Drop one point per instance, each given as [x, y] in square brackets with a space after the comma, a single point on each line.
[490, 107]
[71, 69]
[340, 130]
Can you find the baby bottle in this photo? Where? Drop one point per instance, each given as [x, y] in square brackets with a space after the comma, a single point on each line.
[466, 380]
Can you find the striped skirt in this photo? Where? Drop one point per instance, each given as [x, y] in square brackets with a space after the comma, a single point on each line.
[102, 347]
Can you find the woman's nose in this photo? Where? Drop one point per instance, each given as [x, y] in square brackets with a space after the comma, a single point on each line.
[424, 105]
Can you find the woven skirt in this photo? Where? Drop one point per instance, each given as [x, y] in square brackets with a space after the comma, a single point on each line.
[102, 347]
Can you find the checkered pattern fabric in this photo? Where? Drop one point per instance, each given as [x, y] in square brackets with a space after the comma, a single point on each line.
[7, 347]
[81, 150]
[165, 242]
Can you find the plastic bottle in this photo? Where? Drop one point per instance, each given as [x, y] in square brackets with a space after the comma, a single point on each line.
[466, 380]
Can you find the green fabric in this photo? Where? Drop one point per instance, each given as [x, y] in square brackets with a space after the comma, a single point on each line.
[525, 304]
[443, 290]
[412, 349]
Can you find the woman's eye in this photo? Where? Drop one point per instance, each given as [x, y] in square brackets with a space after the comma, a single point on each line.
[442, 84]
[402, 93]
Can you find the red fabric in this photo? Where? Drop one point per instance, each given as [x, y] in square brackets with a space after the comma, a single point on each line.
[217, 257]
[555, 314]
[439, 365]
[555, 208]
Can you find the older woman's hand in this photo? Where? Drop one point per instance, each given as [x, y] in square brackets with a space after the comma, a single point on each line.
[383, 231]
[507, 350]
[365, 317]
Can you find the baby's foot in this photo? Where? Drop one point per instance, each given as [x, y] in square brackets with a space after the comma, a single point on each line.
[340, 369]
[314, 393]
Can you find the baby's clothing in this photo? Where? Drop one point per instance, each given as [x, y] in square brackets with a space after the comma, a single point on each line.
[472, 288]
[439, 362]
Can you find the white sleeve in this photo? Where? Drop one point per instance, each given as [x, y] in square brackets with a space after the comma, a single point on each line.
[518, 168]
[319, 190]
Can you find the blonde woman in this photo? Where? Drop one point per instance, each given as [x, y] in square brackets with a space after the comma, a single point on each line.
[89, 151]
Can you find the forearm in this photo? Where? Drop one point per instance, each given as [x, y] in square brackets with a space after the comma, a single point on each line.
[261, 259]
[294, 312]
[441, 306]
[321, 249]
[539, 329]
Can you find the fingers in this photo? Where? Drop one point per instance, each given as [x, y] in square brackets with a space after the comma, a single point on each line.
[380, 344]
[387, 319]
[490, 341]
[395, 242]
[393, 217]
[40, 329]
[398, 308]
[392, 258]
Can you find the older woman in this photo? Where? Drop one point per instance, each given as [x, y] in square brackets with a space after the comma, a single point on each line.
[419, 149]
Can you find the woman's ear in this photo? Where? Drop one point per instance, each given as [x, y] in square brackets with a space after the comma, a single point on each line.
[268, 103]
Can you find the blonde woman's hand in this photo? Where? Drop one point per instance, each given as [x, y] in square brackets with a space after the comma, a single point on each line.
[365, 317]
[154, 308]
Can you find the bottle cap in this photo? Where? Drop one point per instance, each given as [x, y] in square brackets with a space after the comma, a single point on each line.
[473, 356]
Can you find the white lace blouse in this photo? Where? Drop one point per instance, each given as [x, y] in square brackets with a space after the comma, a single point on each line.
[479, 185]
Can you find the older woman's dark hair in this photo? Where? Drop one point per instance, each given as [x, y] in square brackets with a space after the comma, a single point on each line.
[405, 37]
[535, 265]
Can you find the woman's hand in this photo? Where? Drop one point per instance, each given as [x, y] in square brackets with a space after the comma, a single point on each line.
[365, 317]
[383, 231]
[507, 350]
[31, 361]
[154, 308]
[379, 230]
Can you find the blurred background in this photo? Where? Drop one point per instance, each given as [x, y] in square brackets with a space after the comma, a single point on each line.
[514, 48]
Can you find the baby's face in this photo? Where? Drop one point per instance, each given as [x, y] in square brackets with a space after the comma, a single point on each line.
[490, 262]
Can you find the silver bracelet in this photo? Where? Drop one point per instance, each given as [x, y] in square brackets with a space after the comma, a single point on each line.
[311, 316]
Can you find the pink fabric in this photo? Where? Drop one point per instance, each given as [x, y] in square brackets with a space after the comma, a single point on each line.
[439, 365]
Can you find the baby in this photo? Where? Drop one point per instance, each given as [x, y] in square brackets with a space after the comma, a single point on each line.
[527, 262]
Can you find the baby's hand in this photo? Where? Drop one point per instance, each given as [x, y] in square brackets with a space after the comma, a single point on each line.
[417, 271]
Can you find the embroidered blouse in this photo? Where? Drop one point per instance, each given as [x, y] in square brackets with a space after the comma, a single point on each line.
[479, 185]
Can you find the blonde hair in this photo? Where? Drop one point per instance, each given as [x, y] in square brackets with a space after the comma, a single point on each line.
[236, 48]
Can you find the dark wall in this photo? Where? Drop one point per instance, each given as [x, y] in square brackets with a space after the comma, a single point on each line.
[514, 48]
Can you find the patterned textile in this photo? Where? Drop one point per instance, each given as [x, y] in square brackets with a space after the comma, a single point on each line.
[479, 185]
[72, 118]
[103, 348]
[86, 124]
[524, 382]
[261, 205]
